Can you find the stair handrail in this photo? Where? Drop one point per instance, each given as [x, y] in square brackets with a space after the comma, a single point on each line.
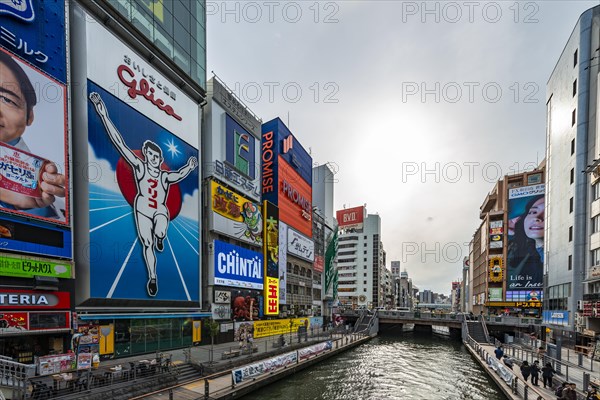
[485, 330]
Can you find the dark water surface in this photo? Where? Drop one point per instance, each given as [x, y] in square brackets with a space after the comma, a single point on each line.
[391, 366]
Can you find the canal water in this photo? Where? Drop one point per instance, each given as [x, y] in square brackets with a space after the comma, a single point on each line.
[391, 366]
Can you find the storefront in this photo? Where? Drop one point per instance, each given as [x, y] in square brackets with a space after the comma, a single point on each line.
[128, 335]
[34, 323]
[527, 309]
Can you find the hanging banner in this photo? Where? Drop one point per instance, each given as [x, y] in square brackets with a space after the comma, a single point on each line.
[283, 230]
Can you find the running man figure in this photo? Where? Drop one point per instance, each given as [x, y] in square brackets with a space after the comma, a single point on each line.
[151, 213]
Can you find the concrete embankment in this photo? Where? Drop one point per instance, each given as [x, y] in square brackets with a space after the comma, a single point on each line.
[237, 382]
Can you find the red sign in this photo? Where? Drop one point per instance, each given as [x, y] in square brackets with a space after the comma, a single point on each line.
[351, 217]
[319, 263]
[33, 300]
[295, 199]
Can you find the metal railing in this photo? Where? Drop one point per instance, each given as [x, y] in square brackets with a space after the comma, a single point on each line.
[485, 329]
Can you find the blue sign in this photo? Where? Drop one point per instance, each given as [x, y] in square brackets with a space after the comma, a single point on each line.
[238, 267]
[35, 31]
[240, 148]
[556, 317]
[290, 149]
[19, 235]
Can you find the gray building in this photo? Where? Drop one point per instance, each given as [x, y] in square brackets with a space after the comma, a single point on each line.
[572, 234]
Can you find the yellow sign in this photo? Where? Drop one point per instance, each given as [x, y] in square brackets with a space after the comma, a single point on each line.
[523, 304]
[196, 331]
[272, 296]
[246, 215]
[496, 269]
[107, 339]
[278, 326]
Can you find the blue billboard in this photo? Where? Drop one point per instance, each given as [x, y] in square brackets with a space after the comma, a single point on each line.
[143, 205]
[556, 317]
[288, 147]
[34, 30]
[240, 148]
[237, 267]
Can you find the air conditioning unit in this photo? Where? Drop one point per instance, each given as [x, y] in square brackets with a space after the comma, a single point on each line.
[580, 304]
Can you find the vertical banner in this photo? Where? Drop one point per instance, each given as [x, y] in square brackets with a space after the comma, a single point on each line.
[144, 203]
[271, 248]
[283, 228]
[525, 257]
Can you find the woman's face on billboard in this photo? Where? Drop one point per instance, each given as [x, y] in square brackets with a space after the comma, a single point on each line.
[534, 220]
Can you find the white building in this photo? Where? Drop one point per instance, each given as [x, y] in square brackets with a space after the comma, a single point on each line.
[361, 265]
[572, 229]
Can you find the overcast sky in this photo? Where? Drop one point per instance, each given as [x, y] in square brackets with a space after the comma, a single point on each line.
[388, 90]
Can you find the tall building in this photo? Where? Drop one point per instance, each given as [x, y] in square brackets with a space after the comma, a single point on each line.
[395, 268]
[506, 252]
[360, 259]
[403, 290]
[572, 235]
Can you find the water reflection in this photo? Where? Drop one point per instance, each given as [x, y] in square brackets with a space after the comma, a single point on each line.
[391, 366]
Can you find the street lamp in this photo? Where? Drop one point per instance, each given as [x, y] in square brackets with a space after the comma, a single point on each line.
[291, 326]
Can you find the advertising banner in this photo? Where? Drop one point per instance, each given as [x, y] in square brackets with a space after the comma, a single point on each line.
[556, 317]
[525, 256]
[301, 246]
[238, 267]
[34, 178]
[241, 330]
[271, 250]
[283, 229]
[27, 267]
[144, 200]
[35, 31]
[221, 311]
[15, 322]
[496, 270]
[235, 216]
[279, 326]
[319, 264]
[222, 297]
[247, 305]
[32, 238]
[267, 366]
[272, 296]
[315, 349]
[242, 151]
[351, 218]
[294, 199]
[56, 364]
[33, 300]
[495, 294]
[496, 234]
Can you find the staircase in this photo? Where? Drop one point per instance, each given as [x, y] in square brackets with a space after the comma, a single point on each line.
[476, 331]
[187, 372]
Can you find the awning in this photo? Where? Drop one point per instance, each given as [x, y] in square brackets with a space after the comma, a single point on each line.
[7, 332]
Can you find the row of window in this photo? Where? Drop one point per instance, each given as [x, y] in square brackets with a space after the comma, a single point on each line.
[298, 270]
[559, 291]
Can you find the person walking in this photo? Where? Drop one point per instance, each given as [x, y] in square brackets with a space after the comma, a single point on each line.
[547, 374]
[499, 352]
[569, 392]
[535, 373]
[525, 370]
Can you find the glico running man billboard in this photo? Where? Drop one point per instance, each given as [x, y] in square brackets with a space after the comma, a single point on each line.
[34, 174]
[525, 257]
[143, 203]
[287, 176]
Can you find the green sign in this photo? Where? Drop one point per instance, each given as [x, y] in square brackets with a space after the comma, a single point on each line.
[30, 267]
[495, 294]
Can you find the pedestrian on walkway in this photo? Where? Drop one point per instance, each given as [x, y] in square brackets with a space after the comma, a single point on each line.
[535, 373]
[569, 392]
[508, 362]
[547, 374]
[525, 370]
[593, 394]
[499, 352]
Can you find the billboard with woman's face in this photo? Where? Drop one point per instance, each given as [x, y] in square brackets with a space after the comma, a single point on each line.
[525, 258]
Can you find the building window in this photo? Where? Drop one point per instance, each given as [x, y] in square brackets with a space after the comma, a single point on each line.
[575, 58]
[574, 87]
[571, 205]
[364, 259]
[364, 282]
[572, 176]
[573, 117]
[595, 257]
[365, 245]
[364, 266]
[596, 190]
[572, 146]
[365, 289]
[570, 262]
[365, 252]
[365, 274]
[596, 224]
[570, 234]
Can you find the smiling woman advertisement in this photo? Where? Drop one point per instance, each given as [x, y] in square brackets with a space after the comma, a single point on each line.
[526, 246]
[32, 142]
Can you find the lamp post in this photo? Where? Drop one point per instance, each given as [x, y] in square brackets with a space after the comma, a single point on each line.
[291, 326]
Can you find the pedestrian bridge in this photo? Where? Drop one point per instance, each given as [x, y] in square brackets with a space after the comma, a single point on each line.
[451, 320]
